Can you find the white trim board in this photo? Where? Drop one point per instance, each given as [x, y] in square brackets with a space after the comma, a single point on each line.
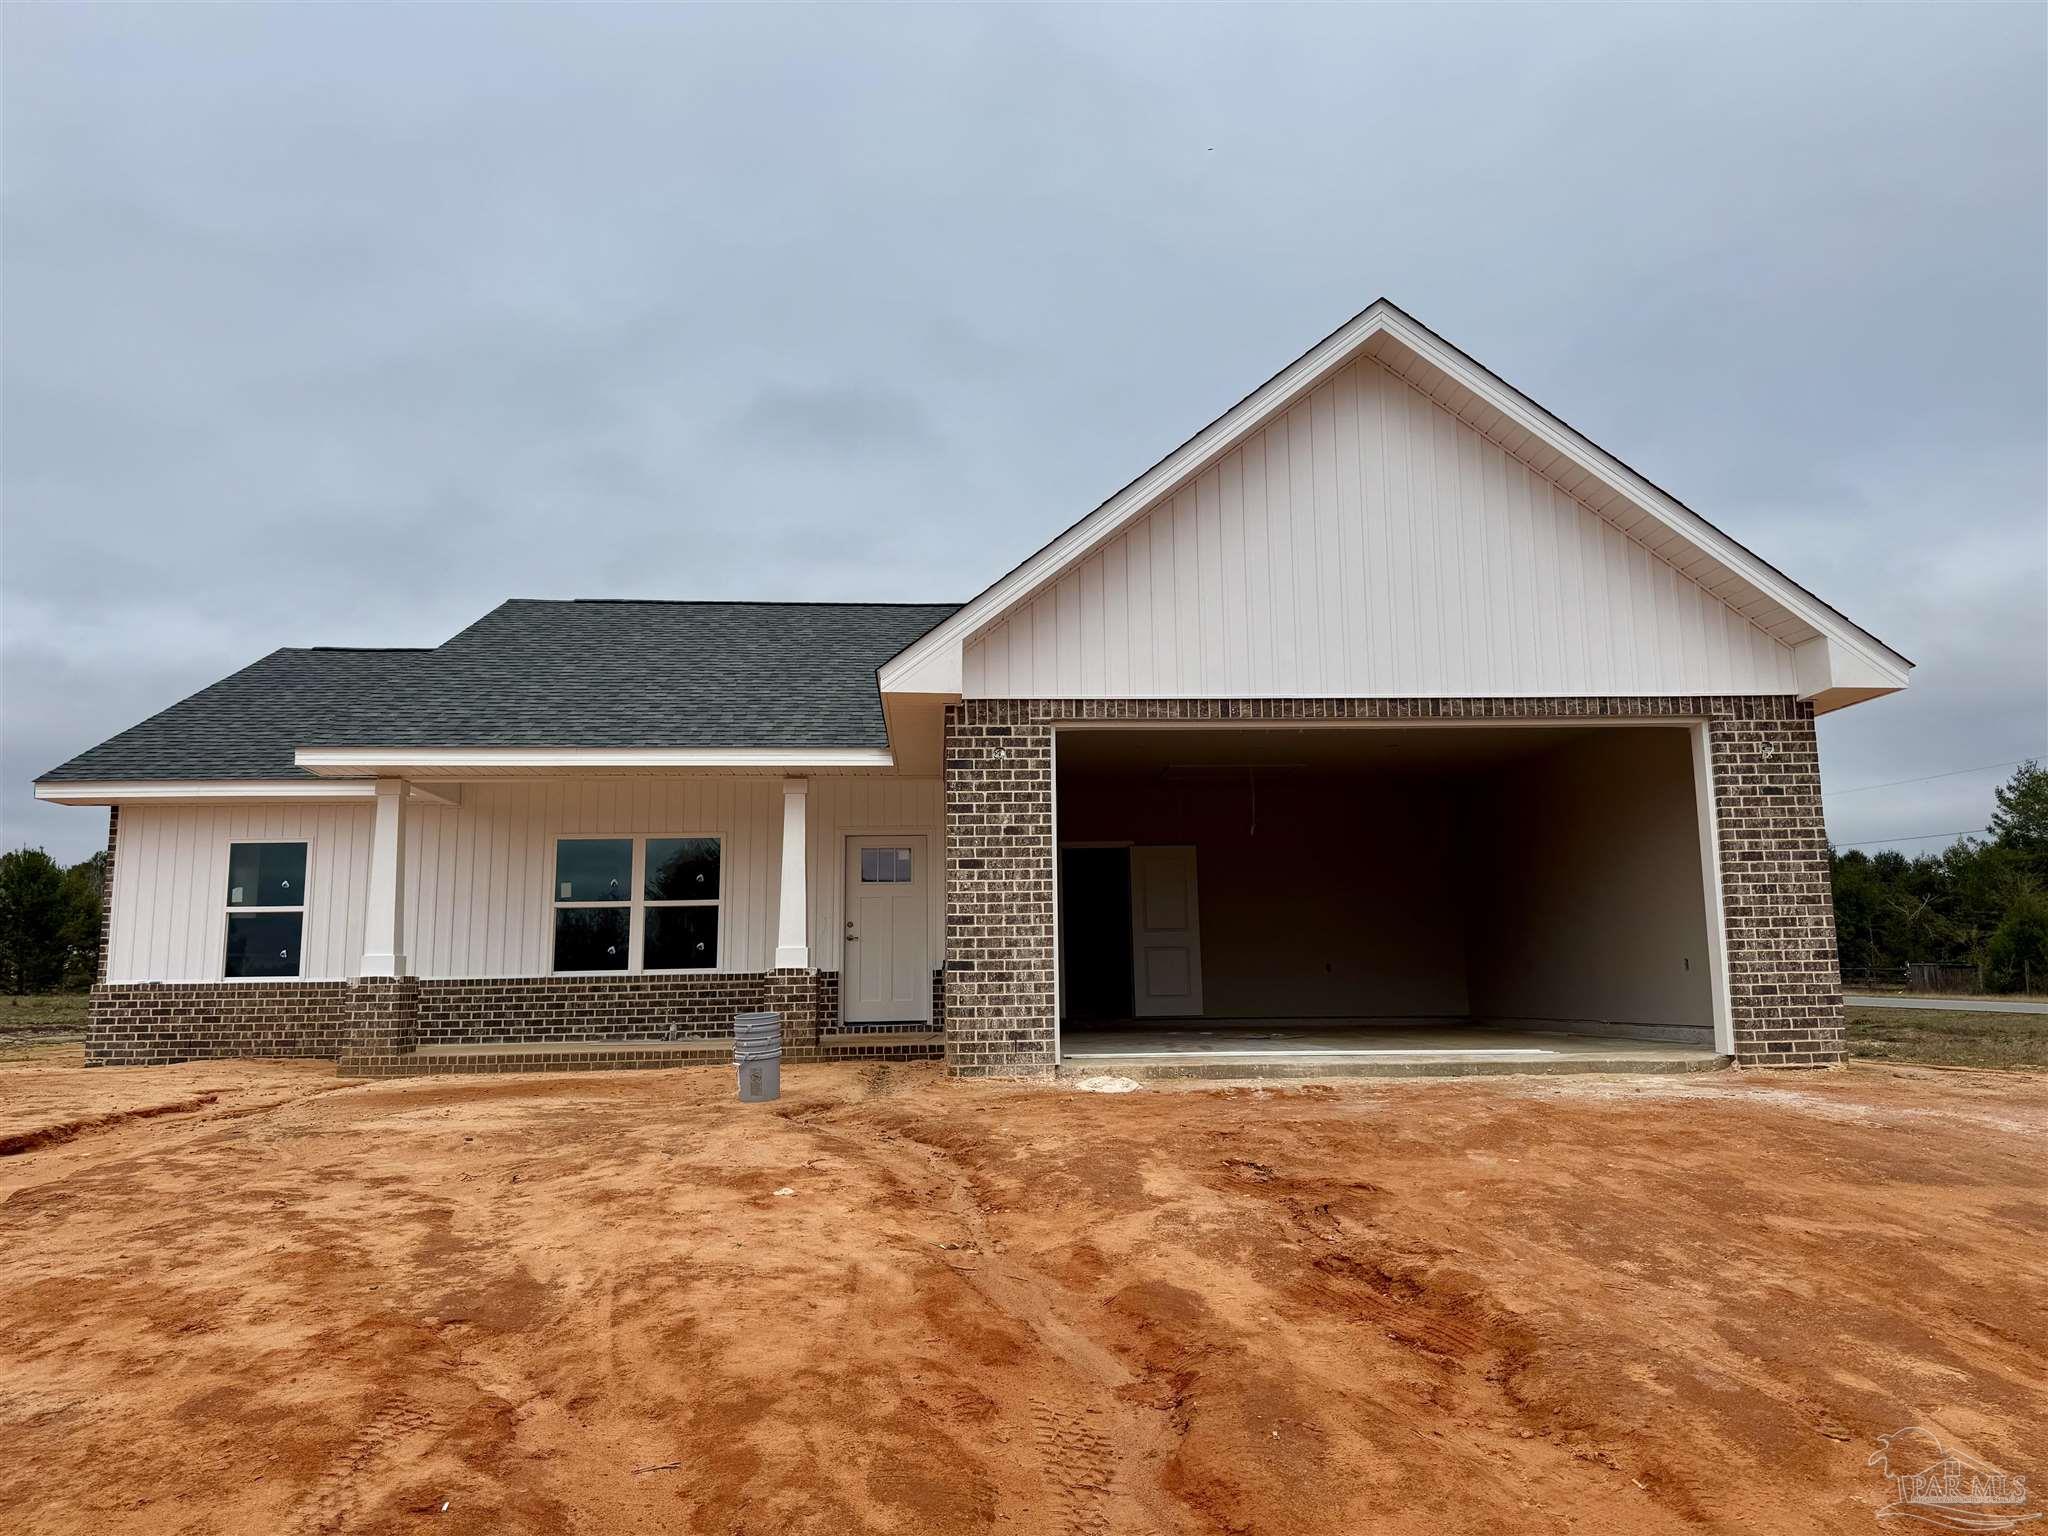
[118, 791]
[1840, 662]
[459, 762]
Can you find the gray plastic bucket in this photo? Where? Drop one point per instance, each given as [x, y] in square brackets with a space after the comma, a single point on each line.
[760, 1079]
[757, 1053]
[757, 1031]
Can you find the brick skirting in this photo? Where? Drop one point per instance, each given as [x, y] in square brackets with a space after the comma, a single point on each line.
[569, 1010]
[394, 1026]
[1784, 986]
[154, 1023]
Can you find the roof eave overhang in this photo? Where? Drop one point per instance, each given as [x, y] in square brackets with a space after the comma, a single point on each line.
[933, 663]
[127, 791]
[562, 762]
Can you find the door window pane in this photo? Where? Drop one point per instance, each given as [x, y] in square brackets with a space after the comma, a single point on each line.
[682, 869]
[885, 866]
[594, 869]
[681, 938]
[267, 875]
[263, 943]
[591, 938]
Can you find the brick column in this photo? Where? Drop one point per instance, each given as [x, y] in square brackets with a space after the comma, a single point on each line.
[794, 994]
[1784, 978]
[999, 987]
[382, 1028]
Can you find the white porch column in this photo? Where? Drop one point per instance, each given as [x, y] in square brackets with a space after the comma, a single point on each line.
[384, 927]
[792, 933]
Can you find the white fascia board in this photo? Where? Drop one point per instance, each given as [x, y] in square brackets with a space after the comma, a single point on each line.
[935, 657]
[119, 791]
[452, 762]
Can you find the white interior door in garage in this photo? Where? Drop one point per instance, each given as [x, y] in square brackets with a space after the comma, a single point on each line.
[1166, 934]
[887, 973]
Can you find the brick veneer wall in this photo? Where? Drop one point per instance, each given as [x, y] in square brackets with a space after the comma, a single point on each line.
[557, 1010]
[376, 1026]
[153, 1023]
[1784, 986]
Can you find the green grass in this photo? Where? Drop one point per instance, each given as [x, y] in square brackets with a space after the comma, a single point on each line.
[1944, 1037]
[43, 1017]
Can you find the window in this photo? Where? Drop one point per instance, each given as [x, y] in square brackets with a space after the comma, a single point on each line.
[266, 909]
[885, 866]
[636, 904]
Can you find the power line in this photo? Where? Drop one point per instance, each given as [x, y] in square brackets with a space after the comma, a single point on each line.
[1952, 773]
[1922, 838]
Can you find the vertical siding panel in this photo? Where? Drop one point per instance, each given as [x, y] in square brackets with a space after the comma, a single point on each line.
[1403, 620]
[1381, 671]
[1235, 676]
[1092, 668]
[210, 891]
[1212, 625]
[1115, 617]
[1258, 568]
[1308, 592]
[1285, 560]
[1187, 595]
[1480, 641]
[1329, 534]
[1138, 584]
[1347, 506]
[1066, 608]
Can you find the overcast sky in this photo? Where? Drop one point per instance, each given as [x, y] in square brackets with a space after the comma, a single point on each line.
[337, 325]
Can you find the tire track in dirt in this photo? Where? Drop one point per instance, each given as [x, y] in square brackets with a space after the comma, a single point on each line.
[18, 1142]
[1100, 1476]
[337, 1497]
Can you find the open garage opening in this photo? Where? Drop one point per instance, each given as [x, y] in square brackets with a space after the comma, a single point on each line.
[1509, 893]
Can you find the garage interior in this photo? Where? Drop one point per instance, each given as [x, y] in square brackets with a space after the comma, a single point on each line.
[1524, 896]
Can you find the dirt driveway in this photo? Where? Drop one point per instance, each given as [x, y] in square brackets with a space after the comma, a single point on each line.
[893, 1303]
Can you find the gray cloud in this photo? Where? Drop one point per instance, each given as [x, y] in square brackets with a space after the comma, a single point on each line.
[339, 324]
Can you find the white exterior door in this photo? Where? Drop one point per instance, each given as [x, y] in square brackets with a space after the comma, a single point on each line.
[886, 975]
[1166, 934]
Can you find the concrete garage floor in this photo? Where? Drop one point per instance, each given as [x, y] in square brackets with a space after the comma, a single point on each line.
[1292, 1048]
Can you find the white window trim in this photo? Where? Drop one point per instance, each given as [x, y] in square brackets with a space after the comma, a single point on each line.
[637, 902]
[232, 911]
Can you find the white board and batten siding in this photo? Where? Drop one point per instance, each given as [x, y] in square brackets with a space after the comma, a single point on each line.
[1369, 543]
[479, 875]
[171, 886]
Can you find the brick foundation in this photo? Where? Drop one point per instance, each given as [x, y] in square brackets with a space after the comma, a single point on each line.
[1784, 986]
[571, 1010]
[154, 1023]
[394, 1027]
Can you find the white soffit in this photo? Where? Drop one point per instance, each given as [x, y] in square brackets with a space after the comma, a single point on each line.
[185, 791]
[561, 762]
[1581, 468]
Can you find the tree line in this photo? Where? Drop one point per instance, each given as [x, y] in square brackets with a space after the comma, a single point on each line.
[1981, 903]
[49, 921]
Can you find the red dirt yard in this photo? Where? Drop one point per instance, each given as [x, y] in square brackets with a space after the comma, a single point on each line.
[246, 1297]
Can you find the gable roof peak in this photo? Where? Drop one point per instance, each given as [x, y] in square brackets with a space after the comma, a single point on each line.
[1418, 356]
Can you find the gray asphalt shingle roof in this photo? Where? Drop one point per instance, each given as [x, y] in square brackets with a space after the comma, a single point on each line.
[543, 674]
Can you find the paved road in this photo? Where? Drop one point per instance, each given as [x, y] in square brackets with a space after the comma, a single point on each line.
[1955, 1004]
